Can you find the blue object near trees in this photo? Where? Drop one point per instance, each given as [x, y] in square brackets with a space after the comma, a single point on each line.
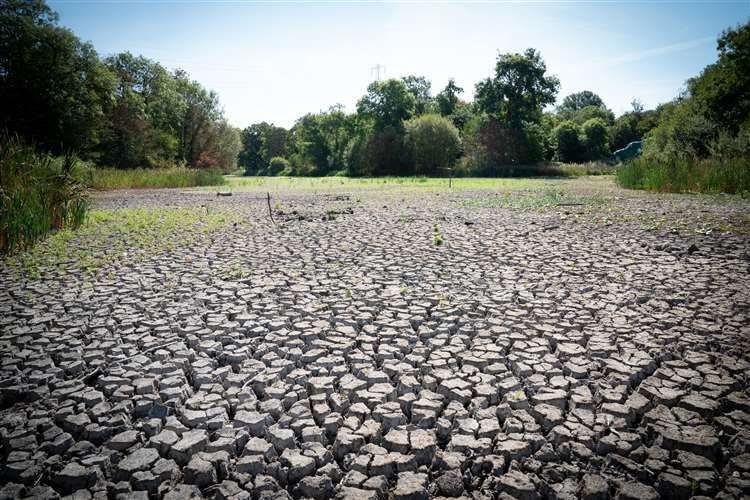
[628, 152]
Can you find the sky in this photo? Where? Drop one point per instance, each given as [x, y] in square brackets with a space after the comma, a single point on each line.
[275, 61]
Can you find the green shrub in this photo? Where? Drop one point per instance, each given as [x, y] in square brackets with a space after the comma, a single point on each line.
[38, 194]
[595, 138]
[434, 143]
[279, 166]
[140, 178]
[687, 175]
[568, 146]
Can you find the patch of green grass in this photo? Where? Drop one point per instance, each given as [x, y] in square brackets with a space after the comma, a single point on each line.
[682, 176]
[109, 236]
[139, 178]
[540, 199]
[385, 184]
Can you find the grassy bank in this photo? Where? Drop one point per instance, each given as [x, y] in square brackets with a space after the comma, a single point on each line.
[140, 178]
[680, 176]
[108, 236]
[38, 194]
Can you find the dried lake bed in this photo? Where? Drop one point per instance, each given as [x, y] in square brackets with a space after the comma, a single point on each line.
[382, 339]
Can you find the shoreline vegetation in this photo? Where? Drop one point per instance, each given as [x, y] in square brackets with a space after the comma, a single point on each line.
[155, 127]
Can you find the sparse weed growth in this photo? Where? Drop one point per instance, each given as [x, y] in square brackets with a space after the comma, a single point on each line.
[115, 235]
[138, 178]
[437, 238]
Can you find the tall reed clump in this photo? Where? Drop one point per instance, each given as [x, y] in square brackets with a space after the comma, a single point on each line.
[711, 175]
[38, 193]
[139, 178]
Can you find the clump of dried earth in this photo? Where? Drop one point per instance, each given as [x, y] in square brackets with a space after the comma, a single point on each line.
[589, 350]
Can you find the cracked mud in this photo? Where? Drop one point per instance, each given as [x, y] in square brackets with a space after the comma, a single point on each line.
[385, 345]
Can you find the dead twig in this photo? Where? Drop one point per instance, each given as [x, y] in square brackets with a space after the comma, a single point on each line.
[270, 213]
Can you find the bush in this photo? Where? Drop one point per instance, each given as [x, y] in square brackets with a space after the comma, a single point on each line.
[568, 146]
[595, 138]
[279, 166]
[687, 175]
[434, 144]
[38, 193]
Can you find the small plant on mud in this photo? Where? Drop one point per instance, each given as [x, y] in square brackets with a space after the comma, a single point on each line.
[437, 238]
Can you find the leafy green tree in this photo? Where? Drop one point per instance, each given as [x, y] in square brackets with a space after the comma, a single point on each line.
[587, 113]
[713, 116]
[566, 137]
[251, 145]
[722, 90]
[447, 99]
[519, 89]
[260, 143]
[579, 100]
[54, 90]
[683, 131]
[388, 104]
[434, 143]
[595, 135]
[383, 111]
[221, 147]
[144, 124]
[321, 141]
[419, 87]
[202, 113]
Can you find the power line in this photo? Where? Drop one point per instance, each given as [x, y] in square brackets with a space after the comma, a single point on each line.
[376, 69]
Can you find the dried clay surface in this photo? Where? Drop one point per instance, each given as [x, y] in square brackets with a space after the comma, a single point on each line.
[384, 344]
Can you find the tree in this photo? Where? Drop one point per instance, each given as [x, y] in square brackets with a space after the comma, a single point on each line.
[579, 100]
[384, 109]
[434, 143]
[259, 143]
[251, 144]
[447, 99]
[567, 143]
[587, 113]
[713, 116]
[519, 89]
[54, 90]
[143, 127]
[594, 132]
[221, 147]
[201, 112]
[321, 141]
[419, 87]
[388, 104]
[722, 89]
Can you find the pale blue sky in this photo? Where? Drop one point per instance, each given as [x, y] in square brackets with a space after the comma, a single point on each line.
[275, 61]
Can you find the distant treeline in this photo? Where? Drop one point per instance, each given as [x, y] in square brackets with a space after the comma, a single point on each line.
[126, 111]
[400, 128]
[121, 111]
